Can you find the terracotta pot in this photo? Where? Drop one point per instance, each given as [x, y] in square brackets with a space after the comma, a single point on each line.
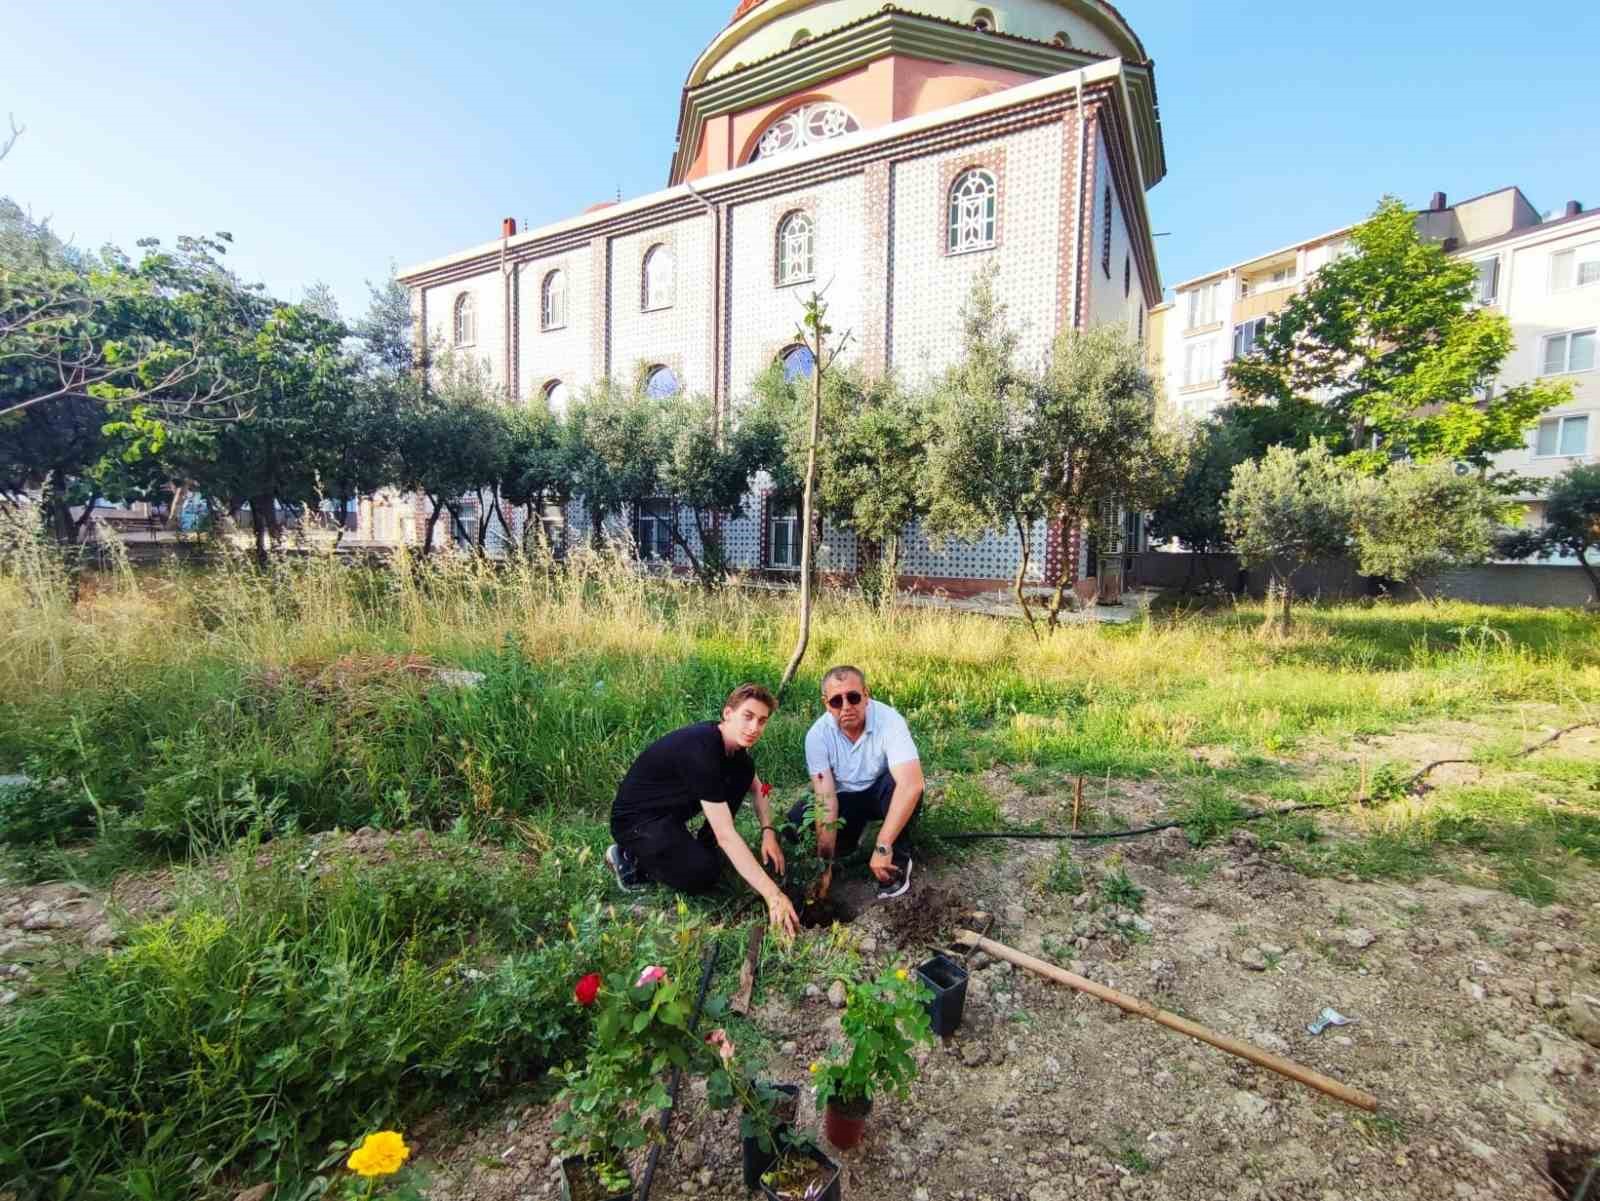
[845, 1124]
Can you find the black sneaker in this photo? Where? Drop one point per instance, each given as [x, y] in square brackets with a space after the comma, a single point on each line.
[900, 881]
[625, 869]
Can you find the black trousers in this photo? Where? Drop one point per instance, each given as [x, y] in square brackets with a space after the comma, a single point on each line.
[668, 854]
[856, 809]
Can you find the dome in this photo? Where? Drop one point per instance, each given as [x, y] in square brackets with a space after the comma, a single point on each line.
[850, 65]
[761, 28]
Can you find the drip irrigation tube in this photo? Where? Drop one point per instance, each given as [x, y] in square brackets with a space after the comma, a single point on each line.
[672, 1092]
[1058, 836]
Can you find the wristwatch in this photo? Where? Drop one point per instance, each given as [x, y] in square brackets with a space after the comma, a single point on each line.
[884, 849]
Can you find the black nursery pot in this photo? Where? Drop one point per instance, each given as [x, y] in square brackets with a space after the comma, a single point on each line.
[948, 980]
[757, 1161]
[579, 1183]
[830, 1171]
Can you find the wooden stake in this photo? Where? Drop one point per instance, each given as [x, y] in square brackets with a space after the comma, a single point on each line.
[1077, 803]
[1143, 1009]
[747, 974]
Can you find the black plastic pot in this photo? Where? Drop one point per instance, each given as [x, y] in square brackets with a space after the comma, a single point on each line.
[757, 1161]
[576, 1167]
[948, 980]
[831, 1193]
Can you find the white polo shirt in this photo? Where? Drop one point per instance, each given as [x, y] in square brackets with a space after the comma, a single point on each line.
[886, 742]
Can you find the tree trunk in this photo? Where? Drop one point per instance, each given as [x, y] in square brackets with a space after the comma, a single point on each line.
[807, 501]
[180, 497]
[258, 523]
[1022, 574]
[433, 520]
[1588, 570]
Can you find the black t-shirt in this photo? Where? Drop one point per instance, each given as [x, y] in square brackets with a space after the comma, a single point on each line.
[678, 771]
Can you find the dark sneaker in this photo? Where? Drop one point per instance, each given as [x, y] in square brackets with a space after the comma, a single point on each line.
[623, 867]
[900, 882]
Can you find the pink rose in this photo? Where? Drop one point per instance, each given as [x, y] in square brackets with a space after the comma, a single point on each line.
[650, 975]
[719, 1039]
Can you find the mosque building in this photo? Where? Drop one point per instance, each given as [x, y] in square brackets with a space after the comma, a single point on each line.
[887, 153]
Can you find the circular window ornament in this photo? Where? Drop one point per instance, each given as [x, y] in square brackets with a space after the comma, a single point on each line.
[805, 126]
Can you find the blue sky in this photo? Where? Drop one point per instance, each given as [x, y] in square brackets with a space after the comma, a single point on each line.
[333, 139]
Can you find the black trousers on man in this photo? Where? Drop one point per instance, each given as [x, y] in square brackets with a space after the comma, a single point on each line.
[856, 809]
[667, 853]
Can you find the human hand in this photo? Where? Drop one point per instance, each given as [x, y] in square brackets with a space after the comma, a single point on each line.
[881, 865]
[827, 841]
[772, 851]
[780, 912]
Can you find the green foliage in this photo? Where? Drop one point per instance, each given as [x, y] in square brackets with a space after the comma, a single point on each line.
[1192, 511]
[641, 1031]
[1117, 889]
[1065, 875]
[1288, 509]
[986, 452]
[1571, 524]
[885, 1020]
[1386, 343]
[1419, 519]
[280, 1007]
[1098, 409]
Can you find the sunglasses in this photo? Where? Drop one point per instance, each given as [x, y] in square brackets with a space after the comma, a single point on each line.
[837, 700]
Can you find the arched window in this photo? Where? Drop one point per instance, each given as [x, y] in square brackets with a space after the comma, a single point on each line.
[553, 301]
[797, 244]
[1062, 39]
[983, 21]
[656, 278]
[555, 396]
[661, 382]
[798, 363]
[466, 321]
[805, 126]
[972, 211]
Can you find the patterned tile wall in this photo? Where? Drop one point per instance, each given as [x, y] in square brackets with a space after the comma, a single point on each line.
[679, 335]
[561, 353]
[763, 316]
[930, 286]
[488, 295]
[992, 557]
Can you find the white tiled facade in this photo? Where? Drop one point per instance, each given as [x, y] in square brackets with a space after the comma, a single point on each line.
[880, 204]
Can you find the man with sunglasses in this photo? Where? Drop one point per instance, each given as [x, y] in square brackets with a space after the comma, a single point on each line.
[864, 767]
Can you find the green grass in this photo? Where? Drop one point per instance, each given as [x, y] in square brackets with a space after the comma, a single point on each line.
[210, 717]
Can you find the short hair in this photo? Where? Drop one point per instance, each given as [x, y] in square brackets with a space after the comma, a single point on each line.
[843, 670]
[751, 692]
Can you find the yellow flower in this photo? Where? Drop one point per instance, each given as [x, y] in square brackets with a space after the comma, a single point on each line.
[816, 1065]
[899, 973]
[380, 1154]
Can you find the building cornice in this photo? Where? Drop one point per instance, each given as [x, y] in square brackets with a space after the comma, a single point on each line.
[1023, 106]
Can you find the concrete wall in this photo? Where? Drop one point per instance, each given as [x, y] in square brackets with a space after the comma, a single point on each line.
[1551, 585]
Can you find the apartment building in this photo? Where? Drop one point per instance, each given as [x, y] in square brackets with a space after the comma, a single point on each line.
[1541, 271]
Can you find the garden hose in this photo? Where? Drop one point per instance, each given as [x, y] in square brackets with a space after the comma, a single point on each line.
[672, 1092]
[1057, 836]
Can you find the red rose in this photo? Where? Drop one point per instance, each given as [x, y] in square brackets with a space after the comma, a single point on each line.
[587, 989]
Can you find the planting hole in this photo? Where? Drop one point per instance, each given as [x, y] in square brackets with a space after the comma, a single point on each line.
[1568, 1165]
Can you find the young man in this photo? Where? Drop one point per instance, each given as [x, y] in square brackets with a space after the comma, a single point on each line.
[863, 768]
[703, 768]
